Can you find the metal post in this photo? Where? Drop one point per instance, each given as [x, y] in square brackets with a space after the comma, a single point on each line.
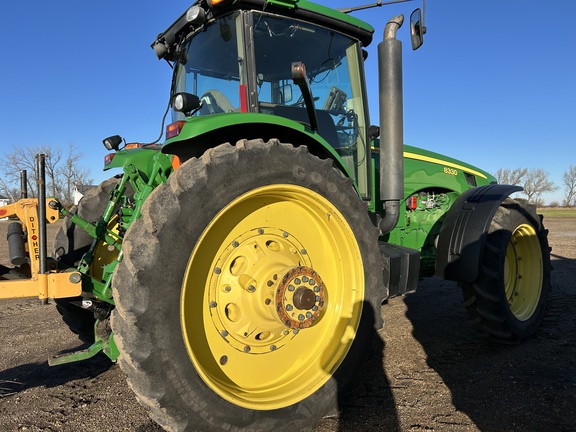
[23, 184]
[43, 252]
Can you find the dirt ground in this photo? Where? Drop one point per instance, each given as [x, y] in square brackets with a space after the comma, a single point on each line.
[434, 373]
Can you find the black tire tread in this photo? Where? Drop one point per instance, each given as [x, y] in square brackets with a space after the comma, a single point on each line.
[485, 299]
[135, 319]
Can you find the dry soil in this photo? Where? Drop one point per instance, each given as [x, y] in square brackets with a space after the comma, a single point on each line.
[434, 373]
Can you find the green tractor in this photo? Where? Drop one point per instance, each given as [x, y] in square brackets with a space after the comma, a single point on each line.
[237, 271]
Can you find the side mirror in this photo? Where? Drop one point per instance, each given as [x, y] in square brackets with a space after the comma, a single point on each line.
[417, 29]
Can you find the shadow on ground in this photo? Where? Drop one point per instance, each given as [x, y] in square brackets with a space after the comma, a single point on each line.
[503, 388]
[31, 375]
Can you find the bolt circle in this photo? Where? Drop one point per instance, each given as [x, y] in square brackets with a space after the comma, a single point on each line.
[293, 294]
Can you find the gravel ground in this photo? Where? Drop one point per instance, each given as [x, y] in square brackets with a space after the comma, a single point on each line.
[434, 372]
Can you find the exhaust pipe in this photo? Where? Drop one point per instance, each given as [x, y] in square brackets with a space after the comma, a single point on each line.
[391, 124]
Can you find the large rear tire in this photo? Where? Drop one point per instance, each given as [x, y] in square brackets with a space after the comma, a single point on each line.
[508, 300]
[70, 244]
[248, 291]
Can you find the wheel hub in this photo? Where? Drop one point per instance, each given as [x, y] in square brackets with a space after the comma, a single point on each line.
[300, 298]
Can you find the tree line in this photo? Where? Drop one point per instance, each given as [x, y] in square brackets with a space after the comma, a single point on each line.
[536, 182]
[64, 171]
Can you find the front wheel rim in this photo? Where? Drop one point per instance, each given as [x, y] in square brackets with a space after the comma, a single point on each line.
[523, 272]
[272, 297]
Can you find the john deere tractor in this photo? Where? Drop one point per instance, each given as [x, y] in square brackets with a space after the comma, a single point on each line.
[237, 271]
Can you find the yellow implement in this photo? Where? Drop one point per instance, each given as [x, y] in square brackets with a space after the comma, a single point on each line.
[32, 277]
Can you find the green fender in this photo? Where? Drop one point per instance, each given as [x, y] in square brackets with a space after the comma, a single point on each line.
[201, 133]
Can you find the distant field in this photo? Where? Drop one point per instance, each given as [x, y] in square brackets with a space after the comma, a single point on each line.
[558, 212]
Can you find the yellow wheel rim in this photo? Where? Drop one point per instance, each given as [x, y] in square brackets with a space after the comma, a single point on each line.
[523, 272]
[272, 297]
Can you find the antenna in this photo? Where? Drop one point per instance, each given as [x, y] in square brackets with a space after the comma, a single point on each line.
[372, 5]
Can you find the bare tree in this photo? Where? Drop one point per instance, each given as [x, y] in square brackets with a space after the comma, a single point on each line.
[70, 173]
[511, 176]
[62, 170]
[536, 183]
[570, 186]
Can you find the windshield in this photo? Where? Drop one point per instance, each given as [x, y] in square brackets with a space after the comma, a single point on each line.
[231, 74]
[333, 64]
[211, 67]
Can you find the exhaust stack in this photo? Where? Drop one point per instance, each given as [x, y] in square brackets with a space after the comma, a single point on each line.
[391, 124]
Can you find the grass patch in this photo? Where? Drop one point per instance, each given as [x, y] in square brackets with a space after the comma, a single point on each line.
[552, 212]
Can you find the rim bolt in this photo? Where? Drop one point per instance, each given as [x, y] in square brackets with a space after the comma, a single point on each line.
[301, 317]
[246, 349]
[305, 279]
[223, 360]
[289, 307]
[291, 288]
[308, 314]
[297, 281]
[228, 288]
[213, 304]
[251, 288]
[295, 331]
[260, 231]
[223, 333]
[316, 289]
[303, 251]
[285, 234]
[267, 302]
[217, 270]
[235, 244]
[273, 348]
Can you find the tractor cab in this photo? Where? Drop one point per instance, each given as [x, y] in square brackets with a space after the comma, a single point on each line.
[242, 62]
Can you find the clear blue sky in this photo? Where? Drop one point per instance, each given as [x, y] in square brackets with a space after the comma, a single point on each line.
[493, 85]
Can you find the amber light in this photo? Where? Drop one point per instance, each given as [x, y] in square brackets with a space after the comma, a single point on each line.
[176, 162]
[133, 146]
[108, 158]
[174, 129]
[217, 2]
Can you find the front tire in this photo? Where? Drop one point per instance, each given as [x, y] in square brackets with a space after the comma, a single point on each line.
[248, 291]
[508, 300]
[70, 244]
